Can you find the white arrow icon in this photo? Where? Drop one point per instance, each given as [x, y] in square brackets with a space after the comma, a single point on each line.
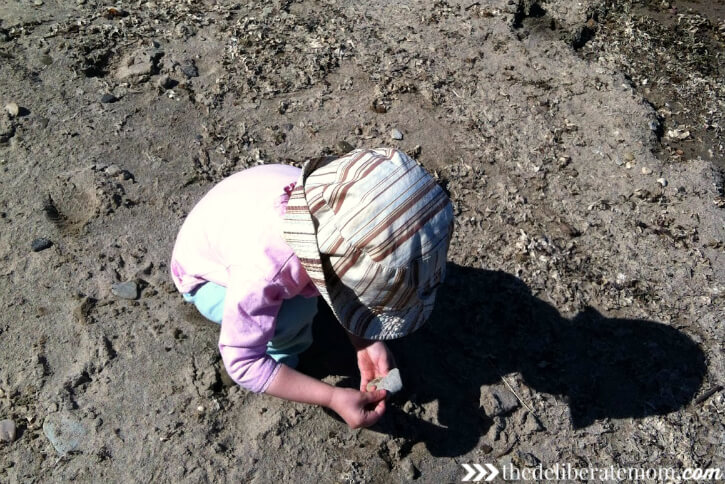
[494, 472]
[480, 472]
[471, 471]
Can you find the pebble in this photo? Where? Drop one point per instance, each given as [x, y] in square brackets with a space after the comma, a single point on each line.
[497, 401]
[13, 109]
[629, 156]
[108, 98]
[41, 243]
[112, 170]
[46, 60]
[64, 432]
[7, 431]
[38, 3]
[396, 134]
[189, 69]
[390, 382]
[344, 146]
[125, 290]
[646, 171]
[165, 82]
[662, 182]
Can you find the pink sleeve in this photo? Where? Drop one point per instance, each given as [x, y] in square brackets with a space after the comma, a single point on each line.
[248, 324]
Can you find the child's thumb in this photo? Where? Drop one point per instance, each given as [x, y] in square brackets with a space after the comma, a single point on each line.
[374, 396]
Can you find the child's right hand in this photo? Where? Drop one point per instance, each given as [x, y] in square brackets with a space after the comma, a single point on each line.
[358, 409]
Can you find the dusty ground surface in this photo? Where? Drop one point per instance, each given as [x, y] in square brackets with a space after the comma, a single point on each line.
[582, 318]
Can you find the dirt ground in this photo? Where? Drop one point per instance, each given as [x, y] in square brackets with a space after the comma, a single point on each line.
[581, 144]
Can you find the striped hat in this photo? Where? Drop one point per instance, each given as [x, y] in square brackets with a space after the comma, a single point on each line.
[372, 230]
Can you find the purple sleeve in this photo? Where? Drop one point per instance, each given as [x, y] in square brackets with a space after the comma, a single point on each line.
[248, 324]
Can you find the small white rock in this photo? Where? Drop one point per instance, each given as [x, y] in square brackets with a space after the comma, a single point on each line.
[7, 431]
[396, 134]
[200, 409]
[662, 182]
[646, 171]
[13, 109]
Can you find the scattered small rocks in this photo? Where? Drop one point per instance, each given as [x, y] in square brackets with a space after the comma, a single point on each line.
[125, 290]
[678, 134]
[7, 431]
[396, 134]
[64, 432]
[189, 69]
[12, 109]
[41, 243]
[390, 382]
[108, 98]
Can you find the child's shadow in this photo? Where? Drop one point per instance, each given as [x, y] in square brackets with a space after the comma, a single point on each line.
[488, 324]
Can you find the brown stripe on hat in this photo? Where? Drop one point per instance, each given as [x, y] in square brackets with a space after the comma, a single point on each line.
[397, 213]
[402, 234]
[336, 203]
[376, 191]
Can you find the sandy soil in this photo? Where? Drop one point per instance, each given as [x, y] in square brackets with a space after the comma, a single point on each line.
[582, 319]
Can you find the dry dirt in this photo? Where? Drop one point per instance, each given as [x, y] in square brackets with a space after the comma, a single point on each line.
[582, 318]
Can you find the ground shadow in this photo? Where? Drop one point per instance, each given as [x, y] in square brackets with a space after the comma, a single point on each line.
[487, 324]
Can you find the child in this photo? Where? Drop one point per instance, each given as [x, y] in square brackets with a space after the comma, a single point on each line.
[369, 232]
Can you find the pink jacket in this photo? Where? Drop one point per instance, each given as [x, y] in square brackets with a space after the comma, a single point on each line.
[233, 237]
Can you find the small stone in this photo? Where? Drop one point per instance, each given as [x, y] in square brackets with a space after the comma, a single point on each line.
[498, 401]
[166, 82]
[64, 432]
[13, 109]
[396, 134]
[200, 409]
[379, 107]
[629, 156]
[7, 431]
[344, 146]
[108, 98]
[662, 182]
[46, 60]
[678, 133]
[38, 3]
[646, 171]
[189, 69]
[390, 382]
[40, 243]
[125, 290]
[112, 170]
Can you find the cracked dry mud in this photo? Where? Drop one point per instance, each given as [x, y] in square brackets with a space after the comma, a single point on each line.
[581, 320]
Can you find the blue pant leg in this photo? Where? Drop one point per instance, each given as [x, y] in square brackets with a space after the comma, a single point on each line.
[293, 333]
[209, 300]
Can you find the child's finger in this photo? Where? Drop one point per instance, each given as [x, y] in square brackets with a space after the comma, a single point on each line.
[375, 414]
[374, 396]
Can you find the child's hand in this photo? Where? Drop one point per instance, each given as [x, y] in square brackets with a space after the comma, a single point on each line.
[358, 409]
[374, 360]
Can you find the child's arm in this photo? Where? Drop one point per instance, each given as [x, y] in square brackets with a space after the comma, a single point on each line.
[358, 409]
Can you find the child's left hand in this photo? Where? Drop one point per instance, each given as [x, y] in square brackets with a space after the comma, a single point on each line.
[374, 360]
